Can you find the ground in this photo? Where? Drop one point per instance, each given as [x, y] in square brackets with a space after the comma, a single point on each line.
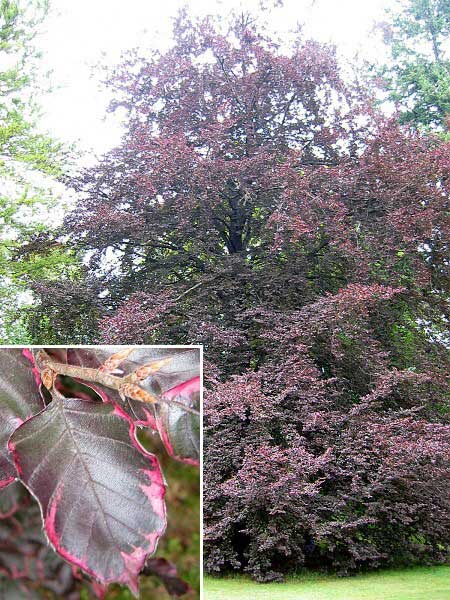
[420, 583]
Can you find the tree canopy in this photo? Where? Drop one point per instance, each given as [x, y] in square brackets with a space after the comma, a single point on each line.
[417, 33]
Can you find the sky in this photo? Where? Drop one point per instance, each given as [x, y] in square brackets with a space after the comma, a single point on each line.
[80, 35]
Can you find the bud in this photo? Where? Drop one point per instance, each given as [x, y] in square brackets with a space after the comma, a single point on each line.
[115, 360]
[135, 392]
[48, 378]
[151, 368]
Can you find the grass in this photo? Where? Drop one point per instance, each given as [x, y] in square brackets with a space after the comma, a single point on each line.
[419, 583]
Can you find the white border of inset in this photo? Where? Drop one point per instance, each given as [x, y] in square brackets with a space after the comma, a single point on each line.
[171, 346]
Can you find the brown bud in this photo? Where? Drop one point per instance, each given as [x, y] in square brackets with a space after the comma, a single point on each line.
[151, 368]
[48, 378]
[135, 392]
[42, 359]
[115, 360]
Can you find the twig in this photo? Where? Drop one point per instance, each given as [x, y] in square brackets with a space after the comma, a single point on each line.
[189, 290]
[129, 385]
[194, 287]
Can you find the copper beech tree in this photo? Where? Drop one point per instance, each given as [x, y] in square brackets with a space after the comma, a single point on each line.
[262, 206]
[68, 434]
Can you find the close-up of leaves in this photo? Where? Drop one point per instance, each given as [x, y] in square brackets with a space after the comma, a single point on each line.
[83, 498]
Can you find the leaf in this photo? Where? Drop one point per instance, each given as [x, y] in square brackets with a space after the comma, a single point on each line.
[179, 429]
[101, 493]
[185, 365]
[167, 572]
[25, 555]
[10, 499]
[15, 590]
[19, 400]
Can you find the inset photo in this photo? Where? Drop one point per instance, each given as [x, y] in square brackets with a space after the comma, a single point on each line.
[99, 477]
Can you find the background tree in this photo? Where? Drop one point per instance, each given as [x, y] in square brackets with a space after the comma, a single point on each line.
[261, 207]
[418, 78]
[29, 163]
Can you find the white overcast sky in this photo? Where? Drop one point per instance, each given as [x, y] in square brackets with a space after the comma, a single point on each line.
[80, 34]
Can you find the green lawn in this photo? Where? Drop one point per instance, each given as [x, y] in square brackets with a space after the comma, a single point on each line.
[420, 583]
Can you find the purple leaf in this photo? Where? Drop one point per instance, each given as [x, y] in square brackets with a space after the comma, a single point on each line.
[15, 590]
[25, 555]
[179, 429]
[101, 493]
[10, 500]
[19, 400]
[167, 572]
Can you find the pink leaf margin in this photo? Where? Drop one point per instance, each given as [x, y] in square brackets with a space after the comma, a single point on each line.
[183, 389]
[155, 492]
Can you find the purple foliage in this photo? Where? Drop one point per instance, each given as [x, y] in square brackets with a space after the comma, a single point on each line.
[260, 206]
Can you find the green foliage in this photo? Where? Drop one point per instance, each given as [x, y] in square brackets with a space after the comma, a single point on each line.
[19, 140]
[418, 77]
[29, 163]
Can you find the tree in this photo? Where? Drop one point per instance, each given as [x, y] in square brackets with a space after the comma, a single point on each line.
[225, 137]
[418, 78]
[29, 163]
[261, 207]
